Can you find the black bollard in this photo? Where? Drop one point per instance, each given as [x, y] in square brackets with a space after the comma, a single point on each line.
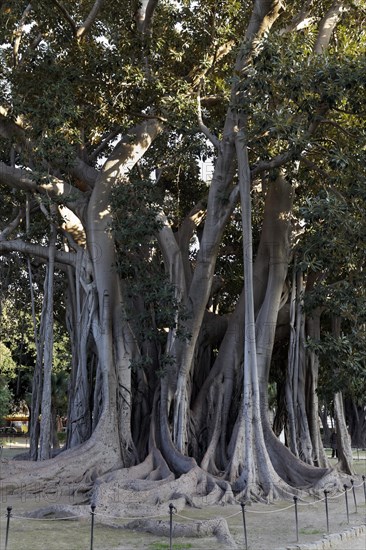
[354, 494]
[92, 526]
[244, 525]
[296, 520]
[171, 508]
[9, 509]
[345, 488]
[364, 486]
[326, 509]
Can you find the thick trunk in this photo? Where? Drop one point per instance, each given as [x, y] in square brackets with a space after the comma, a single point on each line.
[37, 376]
[297, 376]
[356, 421]
[312, 403]
[344, 449]
[218, 209]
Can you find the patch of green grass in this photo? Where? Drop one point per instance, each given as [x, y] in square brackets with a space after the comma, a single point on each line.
[310, 532]
[165, 545]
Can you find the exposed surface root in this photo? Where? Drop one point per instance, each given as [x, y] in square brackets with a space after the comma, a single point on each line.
[72, 471]
[134, 491]
[60, 511]
[204, 528]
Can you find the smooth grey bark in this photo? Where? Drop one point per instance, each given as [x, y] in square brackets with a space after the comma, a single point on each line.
[327, 26]
[312, 401]
[265, 12]
[45, 438]
[344, 449]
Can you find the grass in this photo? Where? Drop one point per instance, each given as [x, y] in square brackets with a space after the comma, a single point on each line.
[165, 545]
[306, 531]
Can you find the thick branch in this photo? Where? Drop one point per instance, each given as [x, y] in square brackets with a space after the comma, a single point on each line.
[54, 187]
[327, 26]
[66, 15]
[301, 20]
[215, 142]
[264, 14]
[145, 16]
[14, 131]
[198, 73]
[12, 225]
[84, 28]
[36, 250]
[18, 33]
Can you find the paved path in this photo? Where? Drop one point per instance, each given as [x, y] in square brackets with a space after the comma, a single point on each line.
[358, 543]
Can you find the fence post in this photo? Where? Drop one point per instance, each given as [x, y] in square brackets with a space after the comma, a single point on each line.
[9, 509]
[92, 526]
[244, 525]
[345, 489]
[364, 487]
[171, 508]
[354, 493]
[296, 520]
[326, 509]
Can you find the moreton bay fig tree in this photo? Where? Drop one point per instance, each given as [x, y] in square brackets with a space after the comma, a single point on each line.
[157, 159]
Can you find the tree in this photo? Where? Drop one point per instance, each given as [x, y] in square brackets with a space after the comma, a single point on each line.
[105, 192]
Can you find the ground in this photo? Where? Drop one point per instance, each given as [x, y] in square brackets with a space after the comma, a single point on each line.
[268, 527]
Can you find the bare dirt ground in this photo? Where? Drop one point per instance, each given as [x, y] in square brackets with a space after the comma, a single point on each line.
[268, 526]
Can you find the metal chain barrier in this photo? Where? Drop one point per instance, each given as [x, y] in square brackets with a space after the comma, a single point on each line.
[173, 511]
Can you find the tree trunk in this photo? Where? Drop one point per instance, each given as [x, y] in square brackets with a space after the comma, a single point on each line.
[344, 449]
[45, 439]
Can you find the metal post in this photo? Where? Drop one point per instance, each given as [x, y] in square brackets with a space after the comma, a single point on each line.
[245, 526]
[345, 488]
[92, 526]
[354, 494]
[326, 509]
[171, 508]
[296, 520]
[364, 487]
[9, 509]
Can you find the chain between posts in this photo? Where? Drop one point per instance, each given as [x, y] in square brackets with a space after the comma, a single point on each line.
[242, 504]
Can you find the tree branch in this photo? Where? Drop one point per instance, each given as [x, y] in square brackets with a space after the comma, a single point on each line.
[52, 186]
[104, 143]
[198, 73]
[31, 249]
[215, 142]
[301, 20]
[14, 131]
[144, 16]
[84, 28]
[12, 225]
[66, 15]
[327, 26]
[18, 33]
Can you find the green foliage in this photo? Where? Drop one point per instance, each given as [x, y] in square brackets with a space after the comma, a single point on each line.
[153, 306]
[5, 398]
[342, 364]
[7, 364]
[308, 106]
